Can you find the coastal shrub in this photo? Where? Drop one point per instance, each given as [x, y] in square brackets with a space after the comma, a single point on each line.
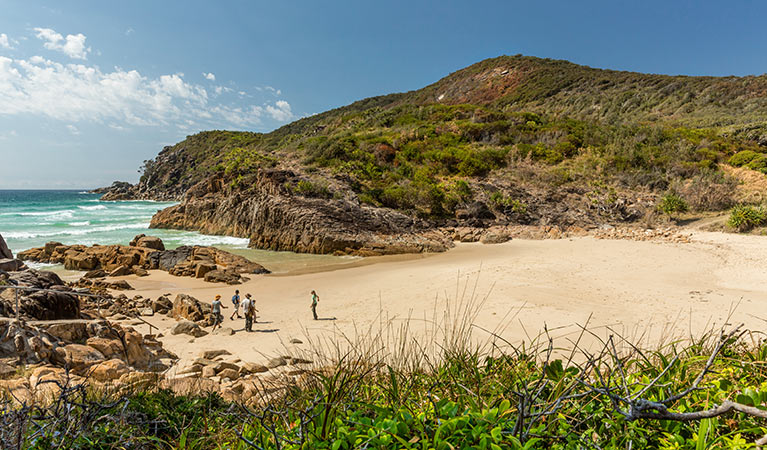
[392, 397]
[309, 188]
[671, 204]
[239, 161]
[746, 217]
[759, 163]
[709, 191]
[742, 158]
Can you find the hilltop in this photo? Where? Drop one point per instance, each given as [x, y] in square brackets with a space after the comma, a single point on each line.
[507, 141]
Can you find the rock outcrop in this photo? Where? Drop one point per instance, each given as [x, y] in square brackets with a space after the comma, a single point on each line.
[144, 253]
[39, 305]
[275, 219]
[119, 190]
[89, 346]
[5, 252]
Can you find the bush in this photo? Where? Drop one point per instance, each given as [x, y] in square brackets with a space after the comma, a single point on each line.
[745, 217]
[671, 204]
[708, 192]
[742, 158]
[316, 189]
[759, 163]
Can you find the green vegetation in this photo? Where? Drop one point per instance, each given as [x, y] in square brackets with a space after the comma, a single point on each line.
[671, 204]
[747, 217]
[532, 123]
[522, 399]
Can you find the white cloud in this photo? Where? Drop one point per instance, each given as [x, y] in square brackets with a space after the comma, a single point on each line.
[73, 129]
[82, 93]
[129, 31]
[209, 76]
[73, 45]
[4, 41]
[281, 111]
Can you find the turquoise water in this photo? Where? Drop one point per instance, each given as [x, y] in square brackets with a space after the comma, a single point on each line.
[30, 218]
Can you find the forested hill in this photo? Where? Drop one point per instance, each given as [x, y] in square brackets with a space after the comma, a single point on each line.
[535, 141]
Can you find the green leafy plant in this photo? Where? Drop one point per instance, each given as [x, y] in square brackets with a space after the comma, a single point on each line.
[746, 217]
[671, 204]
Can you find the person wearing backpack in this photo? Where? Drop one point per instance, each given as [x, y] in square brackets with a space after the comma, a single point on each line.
[236, 302]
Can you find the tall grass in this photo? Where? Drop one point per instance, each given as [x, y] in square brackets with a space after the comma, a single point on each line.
[440, 382]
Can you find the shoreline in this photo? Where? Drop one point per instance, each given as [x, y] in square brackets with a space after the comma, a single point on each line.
[653, 290]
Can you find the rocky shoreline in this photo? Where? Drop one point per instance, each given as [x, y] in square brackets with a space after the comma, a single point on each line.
[142, 254]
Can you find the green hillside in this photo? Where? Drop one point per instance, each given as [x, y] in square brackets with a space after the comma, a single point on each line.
[510, 123]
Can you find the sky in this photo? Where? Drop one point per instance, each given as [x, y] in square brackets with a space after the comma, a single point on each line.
[89, 90]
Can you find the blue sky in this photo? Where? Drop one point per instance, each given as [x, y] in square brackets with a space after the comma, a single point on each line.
[88, 90]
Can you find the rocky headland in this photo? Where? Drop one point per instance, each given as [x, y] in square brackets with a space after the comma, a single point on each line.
[507, 142]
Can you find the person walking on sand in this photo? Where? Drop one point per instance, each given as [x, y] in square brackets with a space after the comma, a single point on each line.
[249, 310]
[215, 309]
[236, 302]
[315, 300]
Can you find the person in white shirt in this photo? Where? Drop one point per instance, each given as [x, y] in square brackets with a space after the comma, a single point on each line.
[249, 309]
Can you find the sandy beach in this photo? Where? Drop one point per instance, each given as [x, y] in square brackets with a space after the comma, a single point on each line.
[658, 290]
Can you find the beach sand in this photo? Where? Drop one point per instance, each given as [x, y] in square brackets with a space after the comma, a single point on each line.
[652, 290]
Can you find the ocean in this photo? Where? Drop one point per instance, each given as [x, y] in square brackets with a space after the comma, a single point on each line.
[30, 218]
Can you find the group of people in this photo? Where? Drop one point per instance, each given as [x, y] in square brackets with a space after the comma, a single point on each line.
[249, 310]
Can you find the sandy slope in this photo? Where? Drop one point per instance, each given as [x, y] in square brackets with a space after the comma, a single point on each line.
[657, 288]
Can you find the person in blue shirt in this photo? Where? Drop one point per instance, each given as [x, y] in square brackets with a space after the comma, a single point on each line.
[236, 303]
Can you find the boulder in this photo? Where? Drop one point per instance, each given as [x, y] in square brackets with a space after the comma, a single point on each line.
[162, 304]
[67, 331]
[5, 252]
[276, 362]
[229, 374]
[120, 285]
[6, 371]
[296, 341]
[43, 305]
[205, 362]
[222, 276]
[109, 370]
[79, 357]
[250, 368]
[98, 273]
[147, 242]
[210, 354]
[110, 348]
[45, 373]
[188, 307]
[208, 372]
[147, 312]
[139, 271]
[168, 259]
[11, 265]
[223, 331]
[476, 211]
[187, 327]
[495, 237]
[120, 271]
[80, 261]
[224, 365]
[137, 353]
[202, 269]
